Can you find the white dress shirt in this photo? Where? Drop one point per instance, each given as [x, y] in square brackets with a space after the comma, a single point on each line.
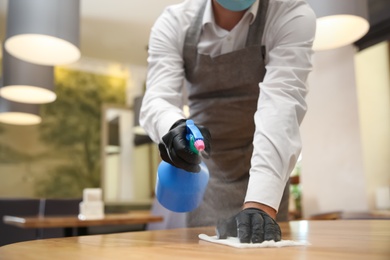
[288, 37]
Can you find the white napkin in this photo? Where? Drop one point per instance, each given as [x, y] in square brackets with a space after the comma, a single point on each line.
[235, 242]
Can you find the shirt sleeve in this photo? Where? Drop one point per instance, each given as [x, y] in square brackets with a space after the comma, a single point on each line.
[281, 105]
[162, 102]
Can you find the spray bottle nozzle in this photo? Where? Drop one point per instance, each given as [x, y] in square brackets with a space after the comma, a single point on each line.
[199, 145]
[194, 137]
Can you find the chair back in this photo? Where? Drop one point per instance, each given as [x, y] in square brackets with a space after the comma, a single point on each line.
[57, 207]
[17, 207]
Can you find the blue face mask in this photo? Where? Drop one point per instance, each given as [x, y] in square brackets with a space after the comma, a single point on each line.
[236, 5]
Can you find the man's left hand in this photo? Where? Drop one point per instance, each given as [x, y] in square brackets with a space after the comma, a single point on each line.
[250, 225]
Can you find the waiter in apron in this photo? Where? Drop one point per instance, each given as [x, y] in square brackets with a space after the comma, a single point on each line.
[244, 64]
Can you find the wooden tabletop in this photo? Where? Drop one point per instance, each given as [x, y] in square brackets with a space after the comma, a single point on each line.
[384, 214]
[73, 221]
[334, 240]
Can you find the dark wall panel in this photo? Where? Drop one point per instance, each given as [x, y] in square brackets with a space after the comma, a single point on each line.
[379, 11]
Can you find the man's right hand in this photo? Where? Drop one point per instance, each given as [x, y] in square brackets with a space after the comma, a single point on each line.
[175, 149]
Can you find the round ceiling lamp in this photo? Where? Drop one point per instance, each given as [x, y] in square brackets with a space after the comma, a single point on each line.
[339, 22]
[27, 82]
[44, 32]
[15, 113]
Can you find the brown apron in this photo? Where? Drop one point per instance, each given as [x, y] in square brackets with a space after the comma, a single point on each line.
[223, 92]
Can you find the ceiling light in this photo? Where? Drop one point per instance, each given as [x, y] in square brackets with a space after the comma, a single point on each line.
[44, 32]
[339, 22]
[27, 94]
[27, 82]
[18, 113]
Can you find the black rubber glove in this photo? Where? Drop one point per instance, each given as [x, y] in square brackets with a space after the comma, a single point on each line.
[175, 149]
[250, 225]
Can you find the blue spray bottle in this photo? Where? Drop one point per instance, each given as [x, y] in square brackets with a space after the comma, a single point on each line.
[179, 190]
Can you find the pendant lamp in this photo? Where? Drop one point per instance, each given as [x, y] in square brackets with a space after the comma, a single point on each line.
[339, 22]
[26, 82]
[16, 113]
[44, 32]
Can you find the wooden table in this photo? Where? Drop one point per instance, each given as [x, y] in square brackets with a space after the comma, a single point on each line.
[69, 222]
[384, 214]
[338, 239]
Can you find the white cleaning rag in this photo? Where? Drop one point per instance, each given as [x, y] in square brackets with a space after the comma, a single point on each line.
[235, 242]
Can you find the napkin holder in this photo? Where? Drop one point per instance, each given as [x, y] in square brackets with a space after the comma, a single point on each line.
[92, 206]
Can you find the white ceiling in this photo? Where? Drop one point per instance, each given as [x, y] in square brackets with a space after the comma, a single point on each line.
[112, 30]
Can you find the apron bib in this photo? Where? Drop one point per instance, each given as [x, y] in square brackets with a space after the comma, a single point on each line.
[223, 93]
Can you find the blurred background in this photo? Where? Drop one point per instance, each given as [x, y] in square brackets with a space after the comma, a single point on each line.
[89, 136]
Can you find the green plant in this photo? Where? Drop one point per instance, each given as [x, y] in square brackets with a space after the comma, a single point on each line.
[71, 126]
[296, 191]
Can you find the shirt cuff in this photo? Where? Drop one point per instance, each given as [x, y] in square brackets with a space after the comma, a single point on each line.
[265, 189]
[166, 123]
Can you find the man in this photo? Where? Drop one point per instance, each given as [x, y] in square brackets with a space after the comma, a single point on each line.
[245, 64]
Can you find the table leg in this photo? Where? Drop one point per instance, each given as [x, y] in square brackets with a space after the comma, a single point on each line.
[82, 231]
[68, 231]
[39, 233]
